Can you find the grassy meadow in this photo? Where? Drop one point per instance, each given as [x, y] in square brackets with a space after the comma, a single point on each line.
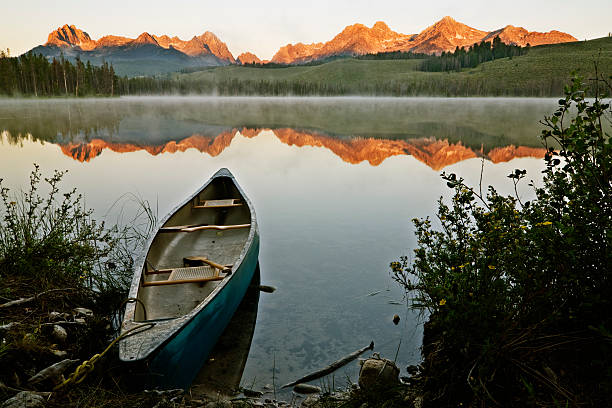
[541, 72]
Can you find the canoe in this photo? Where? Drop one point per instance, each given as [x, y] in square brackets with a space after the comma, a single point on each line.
[189, 282]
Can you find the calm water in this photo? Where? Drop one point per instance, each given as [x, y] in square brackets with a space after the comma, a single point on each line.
[335, 183]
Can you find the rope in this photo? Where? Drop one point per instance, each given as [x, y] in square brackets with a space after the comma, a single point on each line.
[88, 366]
[134, 300]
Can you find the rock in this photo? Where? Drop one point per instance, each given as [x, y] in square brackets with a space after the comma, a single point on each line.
[378, 373]
[241, 404]
[251, 393]
[55, 316]
[306, 389]
[311, 401]
[412, 369]
[59, 334]
[24, 399]
[82, 312]
[166, 393]
[59, 353]
[219, 404]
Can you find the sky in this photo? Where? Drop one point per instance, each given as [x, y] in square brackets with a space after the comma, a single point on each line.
[263, 26]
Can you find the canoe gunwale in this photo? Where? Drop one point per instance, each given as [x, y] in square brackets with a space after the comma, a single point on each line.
[165, 329]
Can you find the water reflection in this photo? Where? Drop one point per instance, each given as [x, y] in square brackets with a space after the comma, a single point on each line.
[438, 132]
[222, 373]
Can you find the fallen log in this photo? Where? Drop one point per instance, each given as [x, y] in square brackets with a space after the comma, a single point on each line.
[8, 326]
[330, 368]
[30, 299]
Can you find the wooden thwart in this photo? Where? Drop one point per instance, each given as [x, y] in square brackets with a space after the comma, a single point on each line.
[191, 228]
[230, 202]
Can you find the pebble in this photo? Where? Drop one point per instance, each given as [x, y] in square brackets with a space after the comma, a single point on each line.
[59, 353]
[59, 333]
[82, 311]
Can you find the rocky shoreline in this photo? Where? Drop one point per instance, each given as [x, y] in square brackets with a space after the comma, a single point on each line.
[45, 338]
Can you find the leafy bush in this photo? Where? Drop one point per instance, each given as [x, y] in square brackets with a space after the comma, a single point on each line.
[53, 242]
[519, 293]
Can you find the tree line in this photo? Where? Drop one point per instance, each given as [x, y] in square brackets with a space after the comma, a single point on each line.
[393, 55]
[415, 86]
[471, 57]
[33, 74]
[455, 60]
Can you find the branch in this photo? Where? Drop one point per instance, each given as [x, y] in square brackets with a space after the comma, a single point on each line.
[330, 368]
[30, 299]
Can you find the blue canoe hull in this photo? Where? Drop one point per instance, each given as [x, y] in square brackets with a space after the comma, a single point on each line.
[178, 361]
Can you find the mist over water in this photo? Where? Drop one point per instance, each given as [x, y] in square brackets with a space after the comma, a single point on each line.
[334, 181]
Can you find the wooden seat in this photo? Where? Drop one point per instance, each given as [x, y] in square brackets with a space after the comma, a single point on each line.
[228, 202]
[191, 274]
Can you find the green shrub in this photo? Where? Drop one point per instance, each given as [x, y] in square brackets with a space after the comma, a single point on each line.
[53, 242]
[519, 292]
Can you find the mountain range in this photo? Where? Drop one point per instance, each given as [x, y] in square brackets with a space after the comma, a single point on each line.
[149, 54]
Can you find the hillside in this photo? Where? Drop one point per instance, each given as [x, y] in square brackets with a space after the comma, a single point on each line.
[541, 72]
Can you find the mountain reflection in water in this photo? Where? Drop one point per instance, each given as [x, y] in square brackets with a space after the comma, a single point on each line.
[438, 132]
[437, 154]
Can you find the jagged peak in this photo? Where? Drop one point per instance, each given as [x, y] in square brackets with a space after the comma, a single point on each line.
[248, 58]
[69, 35]
[381, 25]
[146, 38]
[447, 19]
[210, 34]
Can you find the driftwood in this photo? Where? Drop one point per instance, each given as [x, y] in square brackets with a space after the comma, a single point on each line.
[26, 300]
[52, 373]
[330, 368]
[266, 288]
[65, 322]
[8, 326]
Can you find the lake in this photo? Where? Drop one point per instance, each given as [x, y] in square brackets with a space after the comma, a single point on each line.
[335, 183]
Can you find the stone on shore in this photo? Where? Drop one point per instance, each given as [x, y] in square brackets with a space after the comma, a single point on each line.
[306, 389]
[24, 399]
[378, 373]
